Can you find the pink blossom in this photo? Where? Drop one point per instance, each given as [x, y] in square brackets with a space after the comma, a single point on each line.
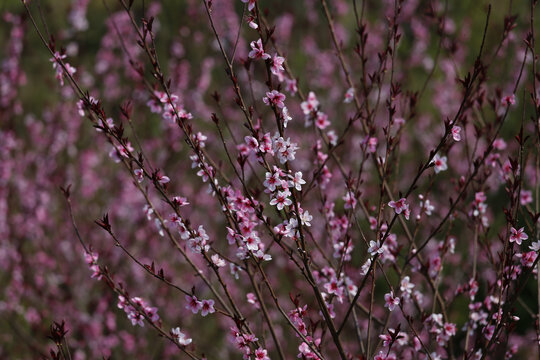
[252, 143]
[400, 206]
[291, 86]
[322, 120]
[138, 310]
[91, 259]
[499, 144]
[108, 123]
[251, 4]
[525, 197]
[257, 51]
[406, 286]
[350, 200]
[311, 104]
[57, 61]
[372, 145]
[139, 174]
[286, 116]
[425, 205]
[489, 331]
[449, 329]
[252, 241]
[375, 248]
[251, 22]
[180, 201]
[439, 163]
[261, 354]
[252, 299]
[332, 137]
[162, 179]
[528, 258]
[382, 355]
[518, 236]
[274, 98]
[193, 304]
[296, 181]
[508, 100]
[456, 133]
[281, 199]
[277, 65]
[386, 338]
[435, 266]
[391, 301]
[207, 307]
[349, 96]
[218, 261]
[399, 121]
[372, 223]
[272, 180]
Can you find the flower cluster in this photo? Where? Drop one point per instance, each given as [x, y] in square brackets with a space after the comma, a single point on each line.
[137, 310]
[204, 306]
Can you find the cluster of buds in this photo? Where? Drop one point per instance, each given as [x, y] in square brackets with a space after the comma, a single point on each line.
[91, 259]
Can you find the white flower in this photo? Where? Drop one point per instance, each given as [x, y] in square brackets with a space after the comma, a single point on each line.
[365, 268]
[349, 96]
[219, 262]
[297, 181]
[305, 217]
[281, 199]
[286, 116]
[375, 248]
[180, 337]
[535, 246]
[406, 286]
[439, 163]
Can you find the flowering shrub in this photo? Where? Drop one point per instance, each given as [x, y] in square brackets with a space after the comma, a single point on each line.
[270, 180]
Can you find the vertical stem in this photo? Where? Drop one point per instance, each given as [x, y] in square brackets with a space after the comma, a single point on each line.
[266, 315]
[371, 309]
